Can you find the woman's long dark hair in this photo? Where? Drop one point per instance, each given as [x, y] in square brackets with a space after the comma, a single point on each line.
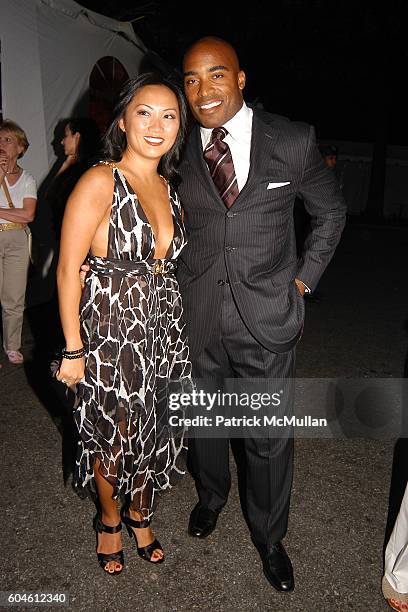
[89, 143]
[115, 142]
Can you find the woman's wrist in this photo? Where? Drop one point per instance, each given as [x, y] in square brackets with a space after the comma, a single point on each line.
[74, 345]
[77, 354]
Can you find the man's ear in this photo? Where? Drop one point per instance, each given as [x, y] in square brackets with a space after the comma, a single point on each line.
[241, 79]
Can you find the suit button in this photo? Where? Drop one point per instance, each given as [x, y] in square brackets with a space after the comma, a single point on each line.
[229, 249]
[230, 215]
[220, 283]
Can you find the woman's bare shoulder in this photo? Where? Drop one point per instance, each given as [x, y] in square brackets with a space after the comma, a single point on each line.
[100, 173]
[98, 180]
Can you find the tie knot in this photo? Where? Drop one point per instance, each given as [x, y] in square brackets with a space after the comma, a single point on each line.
[218, 134]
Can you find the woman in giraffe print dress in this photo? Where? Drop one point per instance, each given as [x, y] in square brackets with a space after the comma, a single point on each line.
[127, 351]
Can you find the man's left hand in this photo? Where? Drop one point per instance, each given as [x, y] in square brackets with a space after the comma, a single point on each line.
[301, 286]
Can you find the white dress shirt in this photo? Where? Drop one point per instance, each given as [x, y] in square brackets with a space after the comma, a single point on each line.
[239, 141]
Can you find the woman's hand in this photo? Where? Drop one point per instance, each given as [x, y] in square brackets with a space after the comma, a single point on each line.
[71, 371]
[4, 163]
[70, 160]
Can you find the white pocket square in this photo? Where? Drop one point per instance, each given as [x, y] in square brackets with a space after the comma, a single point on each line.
[275, 185]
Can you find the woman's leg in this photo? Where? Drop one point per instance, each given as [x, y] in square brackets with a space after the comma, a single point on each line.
[2, 255]
[144, 535]
[107, 542]
[15, 268]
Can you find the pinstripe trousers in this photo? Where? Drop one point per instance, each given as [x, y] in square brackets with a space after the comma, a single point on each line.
[265, 464]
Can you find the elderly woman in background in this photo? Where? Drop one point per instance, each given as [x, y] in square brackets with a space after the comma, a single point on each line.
[18, 199]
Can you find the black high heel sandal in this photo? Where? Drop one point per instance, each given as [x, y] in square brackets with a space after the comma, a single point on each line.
[105, 558]
[145, 552]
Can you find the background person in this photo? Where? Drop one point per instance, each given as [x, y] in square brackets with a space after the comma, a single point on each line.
[18, 199]
[329, 154]
[395, 579]
[81, 143]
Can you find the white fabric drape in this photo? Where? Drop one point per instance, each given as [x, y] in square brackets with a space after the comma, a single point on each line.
[48, 51]
[396, 554]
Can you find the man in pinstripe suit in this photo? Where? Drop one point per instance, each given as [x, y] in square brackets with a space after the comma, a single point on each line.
[242, 283]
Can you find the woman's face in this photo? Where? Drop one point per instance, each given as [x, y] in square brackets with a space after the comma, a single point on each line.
[70, 141]
[151, 121]
[9, 145]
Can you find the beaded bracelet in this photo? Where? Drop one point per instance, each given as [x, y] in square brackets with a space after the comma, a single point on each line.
[78, 354]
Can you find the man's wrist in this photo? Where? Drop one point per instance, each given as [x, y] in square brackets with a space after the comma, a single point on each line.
[302, 287]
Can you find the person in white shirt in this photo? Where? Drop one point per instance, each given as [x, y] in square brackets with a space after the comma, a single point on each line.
[395, 579]
[18, 200]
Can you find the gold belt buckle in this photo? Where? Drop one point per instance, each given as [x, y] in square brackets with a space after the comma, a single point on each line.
[158, 268]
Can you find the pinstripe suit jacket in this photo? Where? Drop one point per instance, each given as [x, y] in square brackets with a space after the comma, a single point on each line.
[253, 243]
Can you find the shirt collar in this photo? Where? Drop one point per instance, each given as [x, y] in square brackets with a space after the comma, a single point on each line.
[239, 127]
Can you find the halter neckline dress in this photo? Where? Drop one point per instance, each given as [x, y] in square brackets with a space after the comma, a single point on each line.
[136, 354]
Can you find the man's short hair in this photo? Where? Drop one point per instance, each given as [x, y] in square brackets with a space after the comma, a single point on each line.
[328, 150]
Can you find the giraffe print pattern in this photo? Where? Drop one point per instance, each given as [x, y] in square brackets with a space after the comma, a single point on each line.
[136, 354]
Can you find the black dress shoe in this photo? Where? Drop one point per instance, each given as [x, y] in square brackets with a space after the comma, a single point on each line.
[277, 567]
[202, 522]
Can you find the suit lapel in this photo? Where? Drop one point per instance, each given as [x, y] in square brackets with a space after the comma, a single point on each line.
[194, 153]
[263, 142]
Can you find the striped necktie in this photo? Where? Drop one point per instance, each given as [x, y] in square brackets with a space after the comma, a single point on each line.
[217, 154]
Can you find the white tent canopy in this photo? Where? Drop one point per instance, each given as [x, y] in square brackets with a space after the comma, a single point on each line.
[48, 51]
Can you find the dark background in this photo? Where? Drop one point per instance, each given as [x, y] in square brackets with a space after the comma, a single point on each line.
[338, 65]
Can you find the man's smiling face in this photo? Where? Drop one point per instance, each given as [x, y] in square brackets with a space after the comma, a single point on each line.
[213, 82]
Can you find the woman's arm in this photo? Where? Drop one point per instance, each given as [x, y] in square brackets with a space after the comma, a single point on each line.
[20, 215]
[85, 210]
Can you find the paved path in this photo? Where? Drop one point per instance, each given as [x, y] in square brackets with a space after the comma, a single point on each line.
[341, 489]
